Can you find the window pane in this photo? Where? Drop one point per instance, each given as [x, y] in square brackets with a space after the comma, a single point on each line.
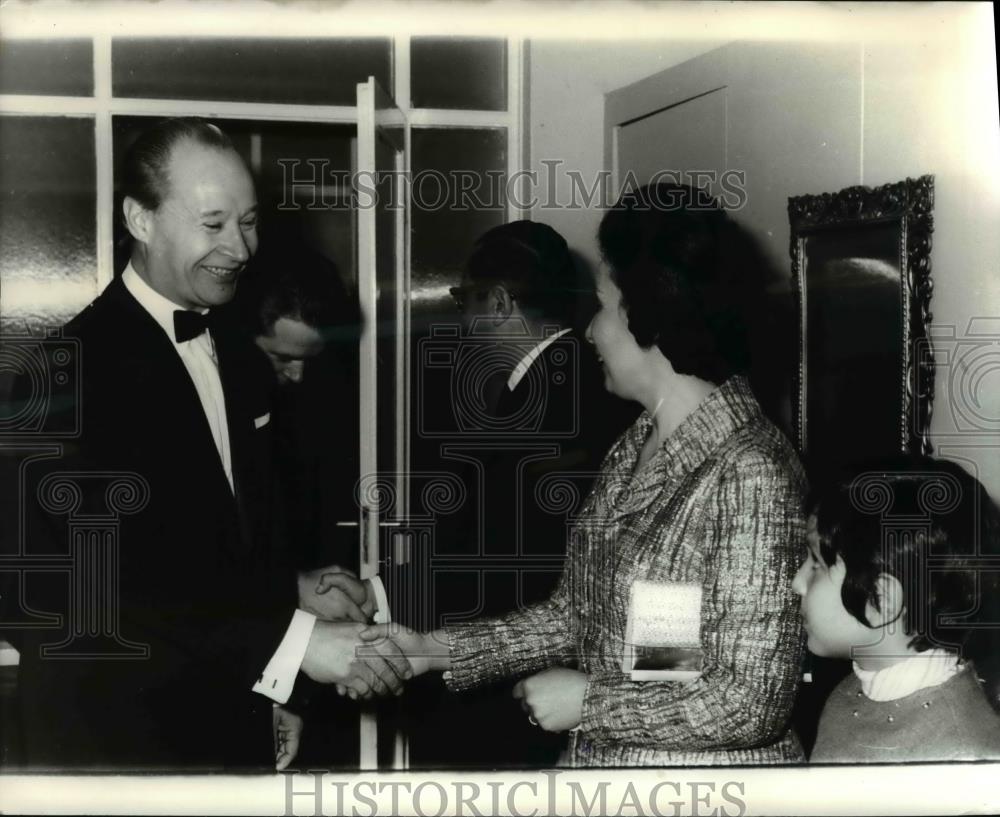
[312, 72]
[48, 253]
[54, 67]
[446, 222]
[448, 72]
[444, 230]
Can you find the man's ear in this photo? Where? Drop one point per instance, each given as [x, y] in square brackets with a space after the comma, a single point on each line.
[500, 303]
[890, 601]
[138, 220]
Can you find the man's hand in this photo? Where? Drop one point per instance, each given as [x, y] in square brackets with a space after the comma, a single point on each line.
[287, 736]
[425, 651]
[553, 698]
[336, 594]
[336, 578]
[332, 658]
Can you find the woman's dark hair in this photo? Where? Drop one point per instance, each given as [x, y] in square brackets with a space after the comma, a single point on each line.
[533, 262]
[144, 170]
[676, 257]
[928, 523]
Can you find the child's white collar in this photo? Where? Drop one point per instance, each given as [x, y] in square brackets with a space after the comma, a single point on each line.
[926, 669]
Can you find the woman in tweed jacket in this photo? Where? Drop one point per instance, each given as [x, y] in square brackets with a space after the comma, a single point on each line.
[702, 488]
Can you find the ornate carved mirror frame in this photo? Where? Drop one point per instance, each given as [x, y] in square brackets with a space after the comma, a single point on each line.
[861, 273]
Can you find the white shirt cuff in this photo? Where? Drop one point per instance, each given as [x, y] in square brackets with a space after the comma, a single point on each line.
[382, 613]
[278, 679]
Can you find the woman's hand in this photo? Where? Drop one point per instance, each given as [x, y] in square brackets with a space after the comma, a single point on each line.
[553, 698]
[425, 651]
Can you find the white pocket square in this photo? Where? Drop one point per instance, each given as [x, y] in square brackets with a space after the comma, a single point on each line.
[263, 420]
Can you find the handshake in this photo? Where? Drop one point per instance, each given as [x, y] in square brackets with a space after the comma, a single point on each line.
[362, 659]
[346, 649]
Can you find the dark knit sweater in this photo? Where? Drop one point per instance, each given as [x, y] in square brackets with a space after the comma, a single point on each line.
[951, 721]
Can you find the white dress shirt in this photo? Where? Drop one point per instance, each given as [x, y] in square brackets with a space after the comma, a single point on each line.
[198, 357]
[521, 369]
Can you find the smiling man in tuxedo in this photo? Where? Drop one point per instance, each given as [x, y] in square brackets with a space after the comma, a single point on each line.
[203, 584]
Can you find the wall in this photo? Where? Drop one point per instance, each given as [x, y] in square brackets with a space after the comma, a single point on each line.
[567, 84]
[925, 102]
[930, 106]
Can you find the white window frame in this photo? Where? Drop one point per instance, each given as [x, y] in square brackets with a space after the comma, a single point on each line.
[103, 106]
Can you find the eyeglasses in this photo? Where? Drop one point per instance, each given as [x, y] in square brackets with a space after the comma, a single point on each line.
[462, 295]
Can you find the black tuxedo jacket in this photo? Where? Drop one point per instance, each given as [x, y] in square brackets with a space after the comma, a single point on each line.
[203, 585]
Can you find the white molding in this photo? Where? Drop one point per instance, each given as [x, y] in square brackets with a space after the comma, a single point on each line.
[615, 132]
[401, 743]
[435, 117]
[326, 114]
[408, 300]
[32, 105]
[401, 98]
[368, 383]
[515, 117]
[104, 161]
[401, 72]
[368, 301]
[402, 303]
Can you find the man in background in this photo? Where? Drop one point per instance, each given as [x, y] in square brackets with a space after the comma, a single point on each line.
[304, 319]
[535, 411]
[306, 322]
[545, 410]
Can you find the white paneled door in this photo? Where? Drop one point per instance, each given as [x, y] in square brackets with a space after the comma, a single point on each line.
[383, 287]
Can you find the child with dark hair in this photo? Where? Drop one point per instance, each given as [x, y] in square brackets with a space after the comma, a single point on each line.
[898, 578]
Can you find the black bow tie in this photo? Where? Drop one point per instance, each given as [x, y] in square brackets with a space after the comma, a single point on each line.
[189, 324]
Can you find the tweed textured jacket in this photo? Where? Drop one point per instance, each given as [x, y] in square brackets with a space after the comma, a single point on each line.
[720, 503]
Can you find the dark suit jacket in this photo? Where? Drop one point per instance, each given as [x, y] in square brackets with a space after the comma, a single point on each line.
[525, 484]
[202, 582]
[316, 432]
[538, 445]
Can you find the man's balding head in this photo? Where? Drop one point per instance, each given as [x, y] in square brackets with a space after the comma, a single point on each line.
[190, 205]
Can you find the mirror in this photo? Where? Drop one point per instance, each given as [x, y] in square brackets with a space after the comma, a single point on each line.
[861, 274]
